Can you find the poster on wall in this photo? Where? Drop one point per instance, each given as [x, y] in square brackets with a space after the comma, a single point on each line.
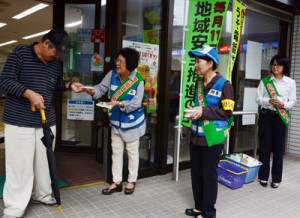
[152, 17]
[152, 24]
[269, 50]
[84, 35]
[148, 68]
[80, 110]
[152, 36]
[97, 62]
[98, 35]
[253, 60]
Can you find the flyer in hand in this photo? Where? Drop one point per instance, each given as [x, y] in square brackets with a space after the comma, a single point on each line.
[104, 104]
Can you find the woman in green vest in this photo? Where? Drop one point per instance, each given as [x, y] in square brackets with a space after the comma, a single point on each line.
[276, 94]
[125, 88]
[211, 119]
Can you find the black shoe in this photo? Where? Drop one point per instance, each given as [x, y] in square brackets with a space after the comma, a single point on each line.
[203, 216]
[263, 183]
[191, 212]
[274, 185]
[129, 191]
[108, 191]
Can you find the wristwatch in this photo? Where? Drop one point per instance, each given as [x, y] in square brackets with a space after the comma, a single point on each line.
[120, 104]
[70, 85]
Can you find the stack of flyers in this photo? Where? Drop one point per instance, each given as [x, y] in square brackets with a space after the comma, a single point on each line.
[103, 104]
[87, 87]
[188, 112]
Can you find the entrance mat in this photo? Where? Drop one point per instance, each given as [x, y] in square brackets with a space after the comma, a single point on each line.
[61, 184]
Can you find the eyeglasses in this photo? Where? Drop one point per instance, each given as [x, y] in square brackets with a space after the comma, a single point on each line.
[119, 61]
[276, 65]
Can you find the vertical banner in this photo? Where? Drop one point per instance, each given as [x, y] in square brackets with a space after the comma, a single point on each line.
[237, 28]
[204, 27]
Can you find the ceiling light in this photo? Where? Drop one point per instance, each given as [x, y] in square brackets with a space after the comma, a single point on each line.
[35, 35]
[76, 23]
[2, 24]
[103, 2]
[30, 11]
[7, 43]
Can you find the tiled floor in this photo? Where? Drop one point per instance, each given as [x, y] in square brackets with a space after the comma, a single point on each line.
[160, 196]
[73, 169]
[78, 169]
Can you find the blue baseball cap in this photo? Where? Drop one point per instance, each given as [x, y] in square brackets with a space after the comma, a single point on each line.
[206, 51]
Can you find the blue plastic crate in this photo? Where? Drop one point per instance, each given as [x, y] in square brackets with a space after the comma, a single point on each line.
[231, 175]
[252, 167]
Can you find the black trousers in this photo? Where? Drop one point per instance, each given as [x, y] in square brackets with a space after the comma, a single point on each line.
[204, 163]
[272, 133]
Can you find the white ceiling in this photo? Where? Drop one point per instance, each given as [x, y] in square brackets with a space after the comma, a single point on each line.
[16, 29]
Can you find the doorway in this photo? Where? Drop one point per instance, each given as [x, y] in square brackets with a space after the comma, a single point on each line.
[81, 124]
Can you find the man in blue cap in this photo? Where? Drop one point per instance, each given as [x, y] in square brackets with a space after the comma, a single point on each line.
[213, 106]
[30, 76]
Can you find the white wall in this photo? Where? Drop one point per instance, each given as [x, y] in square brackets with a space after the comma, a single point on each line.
[293, 145]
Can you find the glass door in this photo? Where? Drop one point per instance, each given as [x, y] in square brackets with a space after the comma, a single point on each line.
[141, 28]
[259, 43]
[85, 65]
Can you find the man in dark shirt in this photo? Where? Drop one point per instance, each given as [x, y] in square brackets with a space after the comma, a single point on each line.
[30, 76]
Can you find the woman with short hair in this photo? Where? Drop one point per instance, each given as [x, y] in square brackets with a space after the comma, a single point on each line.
[125, 87]
[211, 121]
[276, 94]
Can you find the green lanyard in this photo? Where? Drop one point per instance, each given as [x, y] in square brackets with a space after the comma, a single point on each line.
[125, 87]
[272, 91]
[212, 135]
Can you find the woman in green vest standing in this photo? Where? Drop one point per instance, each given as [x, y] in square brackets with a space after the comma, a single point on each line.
[276, 94]
[211, 120]
[125, 88]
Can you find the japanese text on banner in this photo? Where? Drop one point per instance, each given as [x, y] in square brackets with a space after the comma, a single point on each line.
[237, 27]
[204, 27]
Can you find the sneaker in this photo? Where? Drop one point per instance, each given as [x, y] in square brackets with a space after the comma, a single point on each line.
[50, 202]
[274, 185]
